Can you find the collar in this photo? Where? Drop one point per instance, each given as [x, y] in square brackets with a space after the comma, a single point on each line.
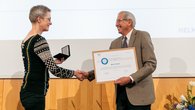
[129, 36]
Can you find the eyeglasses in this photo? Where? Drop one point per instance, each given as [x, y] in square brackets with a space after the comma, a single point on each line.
[120, 20]
[49, 19]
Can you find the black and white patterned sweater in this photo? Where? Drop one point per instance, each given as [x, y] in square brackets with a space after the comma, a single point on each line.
[37, 61]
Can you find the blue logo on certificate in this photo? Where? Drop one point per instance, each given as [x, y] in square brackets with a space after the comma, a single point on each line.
[104, 61]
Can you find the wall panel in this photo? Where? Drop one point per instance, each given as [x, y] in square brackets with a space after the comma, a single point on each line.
[71, 94]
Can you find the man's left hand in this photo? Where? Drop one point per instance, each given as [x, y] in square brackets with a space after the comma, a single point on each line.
[123, 81]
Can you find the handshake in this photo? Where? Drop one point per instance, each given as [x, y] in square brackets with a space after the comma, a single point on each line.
[81, 75]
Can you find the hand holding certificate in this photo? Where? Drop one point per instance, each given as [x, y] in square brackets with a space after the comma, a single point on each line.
[113, 64]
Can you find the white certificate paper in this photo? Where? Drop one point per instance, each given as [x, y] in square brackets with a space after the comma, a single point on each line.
[110, 65]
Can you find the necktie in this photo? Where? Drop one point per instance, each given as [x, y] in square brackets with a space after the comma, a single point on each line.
[124, 43]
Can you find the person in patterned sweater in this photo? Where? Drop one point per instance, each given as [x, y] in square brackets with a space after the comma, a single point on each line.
[38, 61]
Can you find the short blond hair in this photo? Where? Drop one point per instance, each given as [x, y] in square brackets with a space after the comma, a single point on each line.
[38, 11]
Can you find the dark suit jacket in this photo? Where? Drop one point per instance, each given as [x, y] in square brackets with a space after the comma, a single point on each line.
[142, 91]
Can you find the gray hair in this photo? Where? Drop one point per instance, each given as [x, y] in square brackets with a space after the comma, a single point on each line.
[38, 11]
[129, 15]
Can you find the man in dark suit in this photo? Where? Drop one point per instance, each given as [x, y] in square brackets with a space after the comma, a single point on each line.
[136, 91]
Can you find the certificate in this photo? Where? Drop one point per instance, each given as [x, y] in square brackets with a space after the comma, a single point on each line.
[110, 65]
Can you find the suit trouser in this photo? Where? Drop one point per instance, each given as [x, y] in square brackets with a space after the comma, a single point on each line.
[123, 102]
[32, 101]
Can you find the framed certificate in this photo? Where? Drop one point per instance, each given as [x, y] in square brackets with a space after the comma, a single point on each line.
[110, 65]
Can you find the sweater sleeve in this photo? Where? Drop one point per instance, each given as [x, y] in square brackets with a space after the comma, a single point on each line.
[41, 48]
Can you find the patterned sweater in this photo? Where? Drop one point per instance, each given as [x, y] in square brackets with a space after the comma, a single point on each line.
[37, 61]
